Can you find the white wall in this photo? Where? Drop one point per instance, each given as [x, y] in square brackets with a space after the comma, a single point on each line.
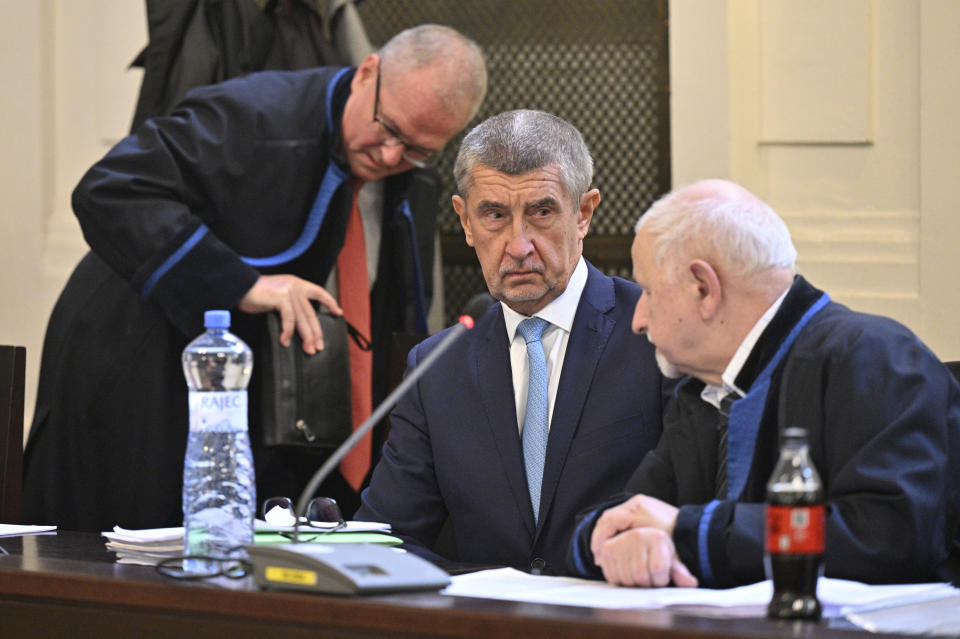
[68, 97]
[842, 115]
[24, 177]
[93, 95]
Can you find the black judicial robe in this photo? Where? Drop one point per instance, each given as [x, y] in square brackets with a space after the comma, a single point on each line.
[882, 416]
[168, 213]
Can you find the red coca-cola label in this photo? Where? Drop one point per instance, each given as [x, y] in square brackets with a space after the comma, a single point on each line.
[795, 530]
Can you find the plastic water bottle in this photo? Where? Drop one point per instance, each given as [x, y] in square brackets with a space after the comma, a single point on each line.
[219, 499]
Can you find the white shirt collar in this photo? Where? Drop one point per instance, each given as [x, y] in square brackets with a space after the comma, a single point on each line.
[713, 394]
[560, 312]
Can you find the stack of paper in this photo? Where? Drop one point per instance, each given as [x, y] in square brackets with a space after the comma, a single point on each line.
[145, 547]
[349, 527]
[353, 532]
[150, 546]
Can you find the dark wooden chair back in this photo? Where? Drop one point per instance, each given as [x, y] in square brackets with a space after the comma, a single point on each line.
[397, 366]
[12, 373]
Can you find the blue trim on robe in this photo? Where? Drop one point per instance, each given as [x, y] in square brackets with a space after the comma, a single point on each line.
[419, 297]
[332, 179]
[746, 412]
[745, 416]
[590, 519]
[172, 260]
[703, 551]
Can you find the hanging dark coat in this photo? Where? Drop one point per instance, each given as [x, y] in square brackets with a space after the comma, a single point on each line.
[198, 42]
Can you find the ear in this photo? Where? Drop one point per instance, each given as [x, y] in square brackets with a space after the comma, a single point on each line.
[366, 72]
[708, 290]
[460, 206]
[588, 203]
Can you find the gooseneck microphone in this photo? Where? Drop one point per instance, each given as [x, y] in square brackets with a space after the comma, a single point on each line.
[464, 324]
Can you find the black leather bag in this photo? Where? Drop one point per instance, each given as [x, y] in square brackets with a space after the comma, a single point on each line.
[305, 401]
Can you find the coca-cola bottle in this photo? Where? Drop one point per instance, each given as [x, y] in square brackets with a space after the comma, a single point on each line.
[795, 531]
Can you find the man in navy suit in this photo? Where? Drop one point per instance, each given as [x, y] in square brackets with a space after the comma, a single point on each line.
[463, 443]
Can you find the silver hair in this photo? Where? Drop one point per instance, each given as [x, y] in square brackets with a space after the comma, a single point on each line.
[741, 232]
[517, 142]
[461, 78]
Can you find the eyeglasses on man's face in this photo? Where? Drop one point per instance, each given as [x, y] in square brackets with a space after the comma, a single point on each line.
[415, 155]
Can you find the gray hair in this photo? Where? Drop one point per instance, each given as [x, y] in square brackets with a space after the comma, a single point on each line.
[461, 78]
[730, 225]
[517, 142]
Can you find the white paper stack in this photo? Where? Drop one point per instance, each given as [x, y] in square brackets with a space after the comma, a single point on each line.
[349, 527]
[145, 547]
[150, 546]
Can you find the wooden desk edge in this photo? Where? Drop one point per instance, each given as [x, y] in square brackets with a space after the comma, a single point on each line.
[410, 614]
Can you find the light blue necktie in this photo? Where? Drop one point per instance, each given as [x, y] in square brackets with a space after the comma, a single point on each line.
[536, 419]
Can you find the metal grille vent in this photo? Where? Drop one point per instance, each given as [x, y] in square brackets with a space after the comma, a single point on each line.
[601, 65]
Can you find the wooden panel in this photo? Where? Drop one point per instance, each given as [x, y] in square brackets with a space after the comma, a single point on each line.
[868, 260]
[939, 103]
[815, 71]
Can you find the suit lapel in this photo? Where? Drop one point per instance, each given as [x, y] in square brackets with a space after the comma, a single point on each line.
[495, 379]
[588, 337]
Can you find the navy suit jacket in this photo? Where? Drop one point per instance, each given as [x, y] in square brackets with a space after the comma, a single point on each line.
[454, 448]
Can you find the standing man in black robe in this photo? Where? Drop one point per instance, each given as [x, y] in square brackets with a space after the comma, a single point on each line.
[239, 199]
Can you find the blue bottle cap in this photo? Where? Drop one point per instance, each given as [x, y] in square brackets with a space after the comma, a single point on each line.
[216, 319]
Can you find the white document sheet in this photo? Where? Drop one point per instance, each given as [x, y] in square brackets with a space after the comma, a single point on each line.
[839, 597]
[351, 526]
[14, 530]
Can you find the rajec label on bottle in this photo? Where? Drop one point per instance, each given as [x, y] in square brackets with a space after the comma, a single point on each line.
[795, 530]
[218, 411]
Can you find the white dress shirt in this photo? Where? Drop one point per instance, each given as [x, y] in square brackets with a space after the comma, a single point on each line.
[560, 313]
[714, 394]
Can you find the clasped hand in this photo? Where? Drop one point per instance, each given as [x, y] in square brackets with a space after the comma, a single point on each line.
[633, 545]
[292, 297]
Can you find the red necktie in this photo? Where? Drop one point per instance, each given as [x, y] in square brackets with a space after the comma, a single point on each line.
[354, 286]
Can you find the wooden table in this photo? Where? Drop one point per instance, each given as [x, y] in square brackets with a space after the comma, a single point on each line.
[67, 585]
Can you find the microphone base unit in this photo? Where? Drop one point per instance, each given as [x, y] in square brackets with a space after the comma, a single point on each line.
[342, 569]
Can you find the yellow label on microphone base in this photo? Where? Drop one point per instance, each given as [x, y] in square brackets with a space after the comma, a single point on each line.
[291, 576]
